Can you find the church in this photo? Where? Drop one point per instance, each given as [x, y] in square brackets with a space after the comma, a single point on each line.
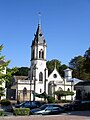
[38, 81]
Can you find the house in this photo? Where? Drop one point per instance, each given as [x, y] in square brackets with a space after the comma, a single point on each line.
[82, 89]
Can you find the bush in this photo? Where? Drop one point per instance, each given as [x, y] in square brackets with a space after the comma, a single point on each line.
[5, 102]
[62, 101]
[1, 113]
[50, 99]
[21, 111]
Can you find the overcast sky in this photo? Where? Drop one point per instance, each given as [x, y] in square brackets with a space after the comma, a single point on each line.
[65, 25]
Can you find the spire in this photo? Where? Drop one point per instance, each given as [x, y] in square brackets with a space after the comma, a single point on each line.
[39, 18]
[39, 38]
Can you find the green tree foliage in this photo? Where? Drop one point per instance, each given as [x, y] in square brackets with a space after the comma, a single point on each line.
[61, 69]
[81, 66]
[87, 61]
[63, 93]
[22, 71]
[4, 77]
[56, 63]
[77, 65]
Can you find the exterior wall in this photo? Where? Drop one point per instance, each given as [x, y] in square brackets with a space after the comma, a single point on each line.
[21, 85]
[60, 83]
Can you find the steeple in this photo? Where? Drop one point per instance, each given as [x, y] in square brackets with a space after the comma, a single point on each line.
[39, 38]
[38, 47]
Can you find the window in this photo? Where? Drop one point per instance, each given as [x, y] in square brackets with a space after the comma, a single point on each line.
[40, 76]
[40, 90]
[32, 54]
[41, 54]
[55, 75]
[68, 89]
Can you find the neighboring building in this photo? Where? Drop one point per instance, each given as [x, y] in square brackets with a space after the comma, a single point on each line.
[38, 80]
[3, 83]
[20, 88]
[83, 90]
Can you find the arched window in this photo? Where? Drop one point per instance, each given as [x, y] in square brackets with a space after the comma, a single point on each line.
[68, 89]
[41, 54]
[41, 76]
[24, 91]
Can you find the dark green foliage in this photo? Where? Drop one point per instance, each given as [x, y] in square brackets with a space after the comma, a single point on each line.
[21, 111]
[23, 71]
[52, 64]
[81, 66]
[63, 93]
[1, 91]
[1, 113]
[4, 77]
[63, 101]
[5, 102]
[61, 69]
[56, 63]
[87, 61]
[49, 99]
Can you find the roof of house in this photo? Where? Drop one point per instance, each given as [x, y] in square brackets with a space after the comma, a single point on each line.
[21, 77]
[85, 83]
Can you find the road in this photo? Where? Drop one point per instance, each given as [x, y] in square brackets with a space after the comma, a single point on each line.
[78, 115]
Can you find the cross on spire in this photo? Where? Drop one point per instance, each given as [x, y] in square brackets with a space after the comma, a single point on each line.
[39, 18]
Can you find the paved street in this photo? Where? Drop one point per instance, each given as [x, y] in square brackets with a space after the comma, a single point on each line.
[78, 115]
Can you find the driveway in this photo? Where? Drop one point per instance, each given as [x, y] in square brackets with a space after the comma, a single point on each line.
[76, 115]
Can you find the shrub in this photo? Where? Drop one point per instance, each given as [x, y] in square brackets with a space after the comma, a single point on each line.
[21, 111]
[5, 102]
[50, 99]
[62, 101]
[1, 112]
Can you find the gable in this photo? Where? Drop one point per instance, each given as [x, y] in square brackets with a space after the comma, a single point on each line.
[55, 76]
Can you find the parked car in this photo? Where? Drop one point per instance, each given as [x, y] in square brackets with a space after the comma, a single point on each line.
[48, 109]
[77, 105]
[29, 104]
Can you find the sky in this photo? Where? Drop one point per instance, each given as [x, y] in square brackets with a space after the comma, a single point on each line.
[65, 25]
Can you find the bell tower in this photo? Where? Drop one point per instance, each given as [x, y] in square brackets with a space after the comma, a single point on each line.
[38, 71]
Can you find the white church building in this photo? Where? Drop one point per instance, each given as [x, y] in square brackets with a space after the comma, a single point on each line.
[38, 80]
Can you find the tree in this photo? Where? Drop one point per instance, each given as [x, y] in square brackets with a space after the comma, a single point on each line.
[62, 93]
[51, 65]
[3, 65]
[22, 71]
[61, 69]
[87, 61]
[77, 64]
[56, 63]
[4, 77]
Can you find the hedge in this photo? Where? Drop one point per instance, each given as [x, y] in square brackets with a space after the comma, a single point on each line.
[21, 111]
[5, 102]
[1, 113]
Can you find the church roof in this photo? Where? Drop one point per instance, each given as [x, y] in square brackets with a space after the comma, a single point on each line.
[39, 38]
